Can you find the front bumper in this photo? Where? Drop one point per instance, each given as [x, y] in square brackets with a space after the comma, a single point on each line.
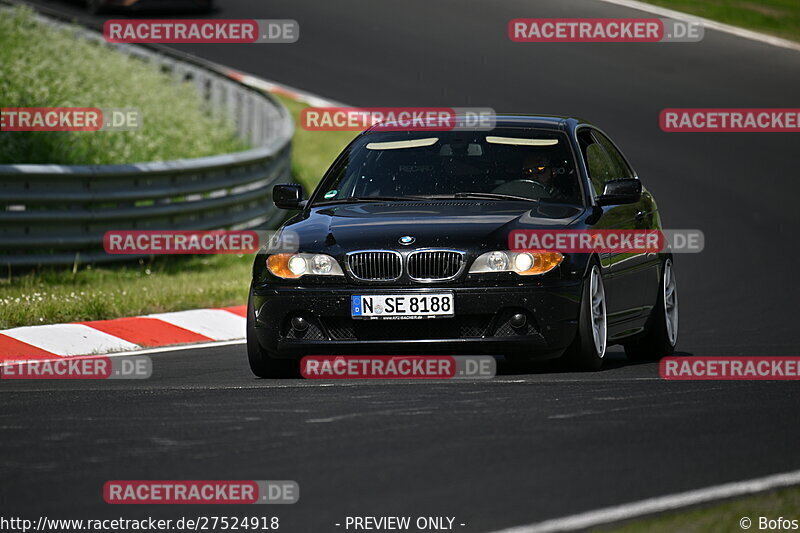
[480, 325]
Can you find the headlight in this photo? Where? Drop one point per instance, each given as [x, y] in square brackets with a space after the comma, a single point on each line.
[292, 266]
[523, 263]
[322, 264]
[297, 265]
[497, 261]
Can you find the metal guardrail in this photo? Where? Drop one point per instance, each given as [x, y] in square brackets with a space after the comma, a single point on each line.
[55, 214]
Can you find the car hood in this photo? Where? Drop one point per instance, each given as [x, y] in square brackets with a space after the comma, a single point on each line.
[459, 224]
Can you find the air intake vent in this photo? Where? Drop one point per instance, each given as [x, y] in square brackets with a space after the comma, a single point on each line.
[375, 265]
[439, 204]
[431, 265]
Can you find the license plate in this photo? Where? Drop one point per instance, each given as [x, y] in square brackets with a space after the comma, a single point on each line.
[403, 306]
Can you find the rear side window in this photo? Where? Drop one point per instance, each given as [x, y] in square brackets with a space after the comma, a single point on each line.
[598, 162]
[603, 161]
[621, 168]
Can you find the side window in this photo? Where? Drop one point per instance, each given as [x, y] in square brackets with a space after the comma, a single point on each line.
[599, 164]
[621, 168]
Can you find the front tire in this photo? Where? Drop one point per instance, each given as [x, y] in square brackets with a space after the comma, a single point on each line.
[660, 335]
[589, 347]
[261, 363]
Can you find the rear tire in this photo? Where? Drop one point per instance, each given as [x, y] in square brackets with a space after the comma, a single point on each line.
[587, 350]
[261, 363]
[660, 334]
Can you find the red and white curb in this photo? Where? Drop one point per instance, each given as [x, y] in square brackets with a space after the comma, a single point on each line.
[278, 88]
[122, 334]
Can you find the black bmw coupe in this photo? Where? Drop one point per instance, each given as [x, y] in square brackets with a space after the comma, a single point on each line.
[404, 249]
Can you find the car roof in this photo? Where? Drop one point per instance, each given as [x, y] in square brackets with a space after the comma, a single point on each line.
[554, 122]
[535, 121]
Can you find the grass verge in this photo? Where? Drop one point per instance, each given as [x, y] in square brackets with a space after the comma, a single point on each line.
[96, 293]
[723, 517]
[775, 17]
[43, 66]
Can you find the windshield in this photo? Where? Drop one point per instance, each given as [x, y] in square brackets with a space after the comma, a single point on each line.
[513, 163]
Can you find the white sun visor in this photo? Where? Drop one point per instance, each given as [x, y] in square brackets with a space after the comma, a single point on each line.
[521, 141]
[397, 145]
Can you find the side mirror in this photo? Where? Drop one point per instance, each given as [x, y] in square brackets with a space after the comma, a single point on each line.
[621, 191]
[287, 196]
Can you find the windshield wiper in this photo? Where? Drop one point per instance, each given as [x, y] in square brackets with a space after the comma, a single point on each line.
[493, 196]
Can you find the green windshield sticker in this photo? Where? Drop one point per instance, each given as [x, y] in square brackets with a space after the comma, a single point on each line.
[330, 194]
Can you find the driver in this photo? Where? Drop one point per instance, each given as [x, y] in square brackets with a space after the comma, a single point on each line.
[538, 180]
[538, 168]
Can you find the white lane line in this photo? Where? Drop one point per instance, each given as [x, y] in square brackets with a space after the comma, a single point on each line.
[69, 339]
[183, 347]
[659, 504]
[216, 324]
[403, 411]
[707, 23]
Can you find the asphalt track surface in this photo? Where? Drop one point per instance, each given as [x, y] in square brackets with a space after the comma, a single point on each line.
[522, 448]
